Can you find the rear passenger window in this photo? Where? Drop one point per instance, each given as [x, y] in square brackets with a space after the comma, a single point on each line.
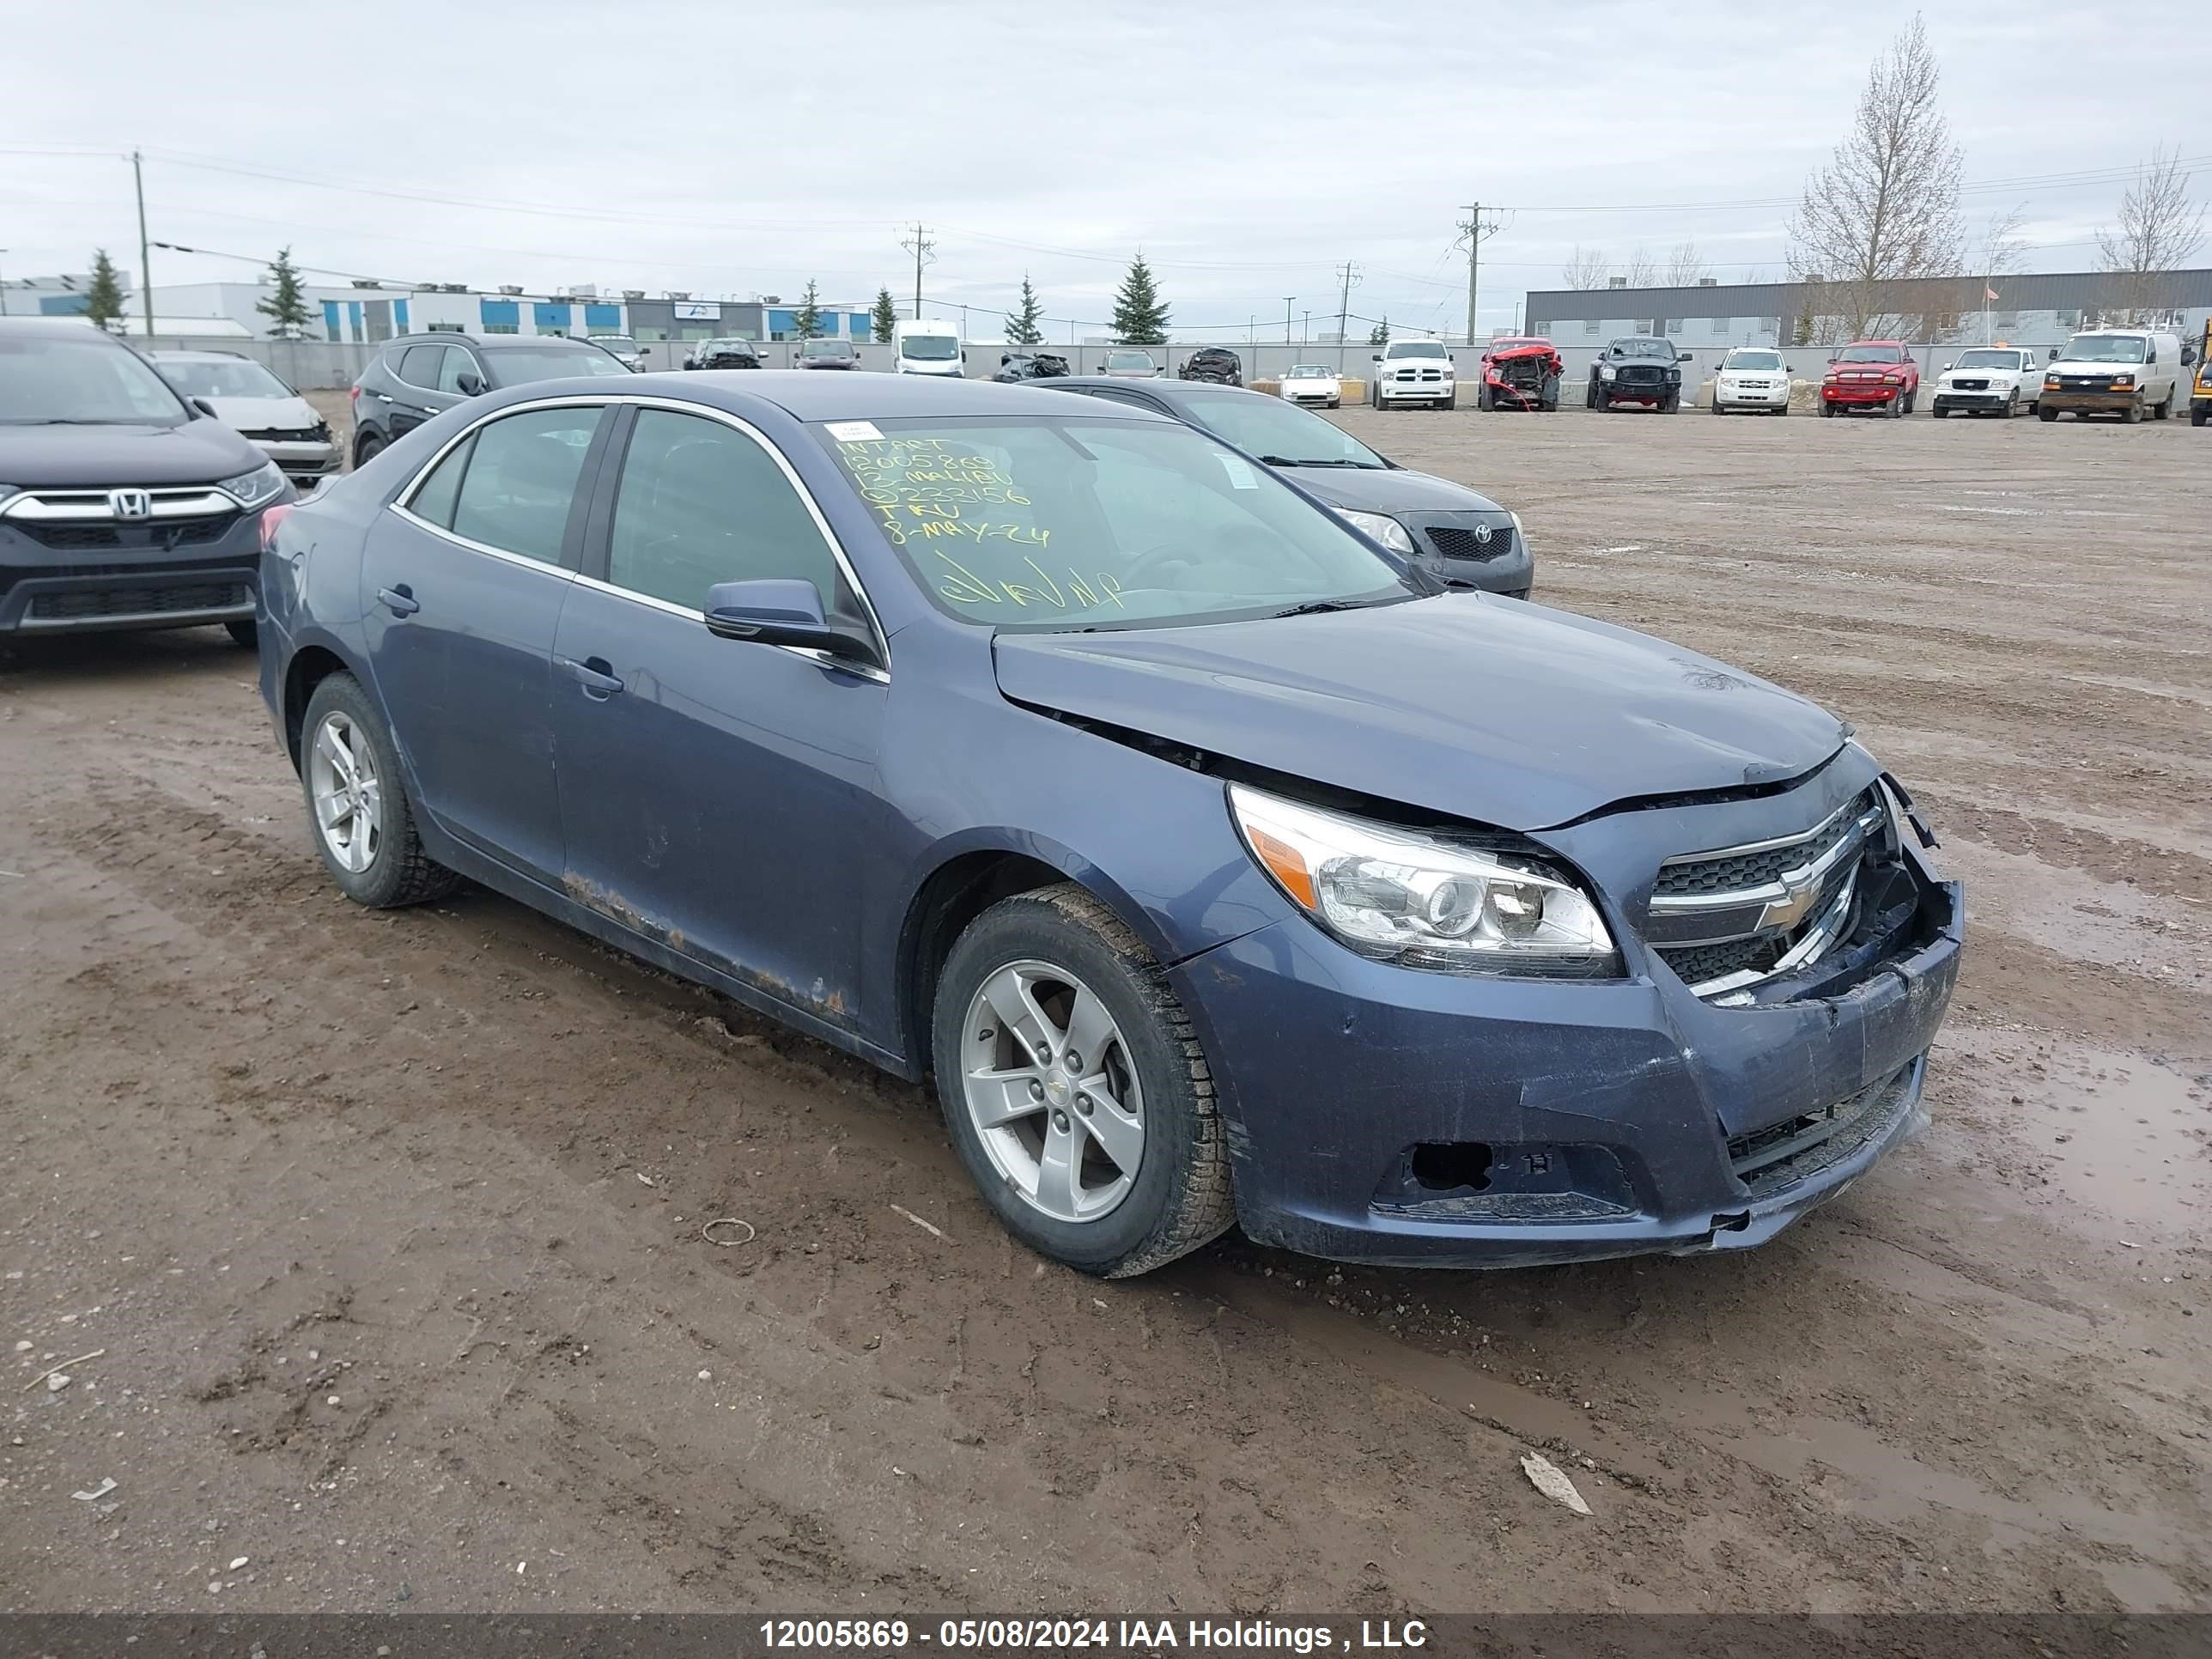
[702, 503]
[434, 497]
[418, 365]
[522, 479]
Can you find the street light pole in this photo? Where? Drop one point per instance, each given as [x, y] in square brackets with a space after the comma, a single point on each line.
[1287, 298]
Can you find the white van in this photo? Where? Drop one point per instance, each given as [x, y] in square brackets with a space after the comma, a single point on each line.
[2112, 371]
[927, 346]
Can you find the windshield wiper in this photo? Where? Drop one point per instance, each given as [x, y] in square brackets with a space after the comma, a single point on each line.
[1286, 460]
[1315, 607]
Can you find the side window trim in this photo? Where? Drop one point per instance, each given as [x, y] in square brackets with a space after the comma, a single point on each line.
[607, 488]
[586, 491]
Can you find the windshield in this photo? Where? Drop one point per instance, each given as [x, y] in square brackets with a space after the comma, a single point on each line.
[1766, 359]
[1417, 348]
[929, 348]
[1871, 354]
[1516, 345]
[1311, 372]
[740, 347]
[1279, 432]
[232, 379]
[1040, 523]
[518, 365]
[825, 348]
[1658, 349]
[1989, 360]
[81, 377]
[1131, 360]
[2104, 348]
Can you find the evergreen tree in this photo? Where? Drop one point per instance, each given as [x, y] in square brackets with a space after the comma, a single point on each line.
[1141, 316]
[1022, 328]
[285, 308]
[884, 317]
[806, 321]
[103, 301]
[1380, 334]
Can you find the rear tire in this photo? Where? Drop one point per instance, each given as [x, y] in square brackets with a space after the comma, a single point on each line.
[1049, 953]
[367, 448]
[386, 866]
[245, 634]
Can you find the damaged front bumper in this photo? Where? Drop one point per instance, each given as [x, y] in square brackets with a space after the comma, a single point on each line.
[1384, 1115]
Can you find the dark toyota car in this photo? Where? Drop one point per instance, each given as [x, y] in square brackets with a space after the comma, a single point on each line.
[421, 375]
[1463, 537]
[122, 506]
[1218, 864]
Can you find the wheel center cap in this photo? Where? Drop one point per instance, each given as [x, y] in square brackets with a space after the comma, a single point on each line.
[1056, 1090]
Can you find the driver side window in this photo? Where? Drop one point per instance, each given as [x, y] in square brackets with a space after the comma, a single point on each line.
[701, 503]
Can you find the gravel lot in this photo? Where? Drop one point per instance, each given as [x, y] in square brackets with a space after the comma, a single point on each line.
[387, 1227]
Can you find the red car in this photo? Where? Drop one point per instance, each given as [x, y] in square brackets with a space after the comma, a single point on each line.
[1519, 374]
[1878, 376]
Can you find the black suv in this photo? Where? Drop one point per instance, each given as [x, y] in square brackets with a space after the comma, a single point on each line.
[418, 376]
[827, 354]
[1637, 368]
[1216, 365]
[121, 504]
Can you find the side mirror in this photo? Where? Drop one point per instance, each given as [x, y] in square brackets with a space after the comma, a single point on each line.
[205, 410]
[1948, 367]
[1681, 356]
[775, 610]
[2052, 356]
[2188, 356]
[468, 383]
[1377, 358]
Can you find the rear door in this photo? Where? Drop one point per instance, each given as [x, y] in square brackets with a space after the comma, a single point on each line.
[463, 581]
[411, 398]
[719, 797]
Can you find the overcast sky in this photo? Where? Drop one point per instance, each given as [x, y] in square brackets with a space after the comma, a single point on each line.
[1248, 149]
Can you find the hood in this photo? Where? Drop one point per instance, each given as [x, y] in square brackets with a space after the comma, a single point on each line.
[2080, 366]
[265, 414]
[1364, 489]
[1499, 711]
[1522, 351]
[99, 456]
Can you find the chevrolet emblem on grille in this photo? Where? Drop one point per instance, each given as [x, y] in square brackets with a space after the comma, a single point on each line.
[130, 503]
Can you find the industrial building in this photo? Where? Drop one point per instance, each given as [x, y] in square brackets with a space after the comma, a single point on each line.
[2031, 309]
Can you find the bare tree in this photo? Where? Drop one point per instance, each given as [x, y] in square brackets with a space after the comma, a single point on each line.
[2159, 228]
[1585, 268]
[1886, 207]
[1642, 271]
[1685, 266]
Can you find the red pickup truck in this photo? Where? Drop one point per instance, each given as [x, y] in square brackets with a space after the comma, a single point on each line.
[1878, 376]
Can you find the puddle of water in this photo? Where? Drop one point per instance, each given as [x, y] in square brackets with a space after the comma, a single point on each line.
[2114, 1132]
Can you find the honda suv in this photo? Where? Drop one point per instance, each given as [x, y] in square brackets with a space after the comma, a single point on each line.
[421, 375]
[123, 505]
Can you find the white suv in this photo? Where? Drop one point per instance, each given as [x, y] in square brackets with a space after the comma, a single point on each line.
[1990, 381]
[1413, 371]
[1751, 377]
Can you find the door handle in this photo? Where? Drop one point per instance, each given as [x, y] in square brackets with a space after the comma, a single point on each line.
[400, 600]
[595, 675]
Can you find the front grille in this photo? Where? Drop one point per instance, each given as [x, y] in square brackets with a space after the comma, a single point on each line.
[305, 434]
[1729, 872]
[1766, 1160]
[1698, 964]
[150, 601]
[162, 533]
[1970, 385]
[1454, 541]
[1640, 376]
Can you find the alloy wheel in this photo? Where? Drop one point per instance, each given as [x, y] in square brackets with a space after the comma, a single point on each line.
[349, 797]
[1052, 1090]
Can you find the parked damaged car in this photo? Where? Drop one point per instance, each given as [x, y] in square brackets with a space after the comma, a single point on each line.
[1520, 374]
[1637, 369]
[1216, 365]
[1218, 864]
[1031, 366]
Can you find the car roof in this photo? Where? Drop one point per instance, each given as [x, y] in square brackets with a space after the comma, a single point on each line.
[54, 325]
[809, 396]
[1172, 392]
[200, 356]
[493, 342]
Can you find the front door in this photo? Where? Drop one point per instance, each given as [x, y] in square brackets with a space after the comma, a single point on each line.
[463, 581]
[718, 796]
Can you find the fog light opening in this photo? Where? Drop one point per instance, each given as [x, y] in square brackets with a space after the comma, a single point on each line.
[1450, 1166]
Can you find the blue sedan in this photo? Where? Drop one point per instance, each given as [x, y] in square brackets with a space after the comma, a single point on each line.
[1219, 864]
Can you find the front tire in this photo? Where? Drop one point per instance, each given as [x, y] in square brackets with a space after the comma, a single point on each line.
[1452, 402]
[357, 807]
[2046, 415]
[366, 449]
[1075, 1090]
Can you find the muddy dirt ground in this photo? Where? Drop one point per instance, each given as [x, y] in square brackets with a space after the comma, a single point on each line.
[380, 1233]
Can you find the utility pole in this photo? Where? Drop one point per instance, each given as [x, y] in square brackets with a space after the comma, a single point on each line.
[1287, 298]
[1476, 232]
[924, 251]
[1349, 274]
[145, 254]
[1305, 328]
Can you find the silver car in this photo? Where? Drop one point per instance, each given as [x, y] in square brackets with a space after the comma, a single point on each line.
[631, 353]
[1132, 366]
[257, 405]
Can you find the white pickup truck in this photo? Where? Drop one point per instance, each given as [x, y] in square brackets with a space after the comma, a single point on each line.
[1413, 371]
[1990, 381]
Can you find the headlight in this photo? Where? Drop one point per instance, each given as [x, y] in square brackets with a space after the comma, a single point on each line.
[1521, 532]
[2051, 383]
[2124, 379]
[1382, 526]
[1425, 901]
[1605, 371]
[257, 488]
